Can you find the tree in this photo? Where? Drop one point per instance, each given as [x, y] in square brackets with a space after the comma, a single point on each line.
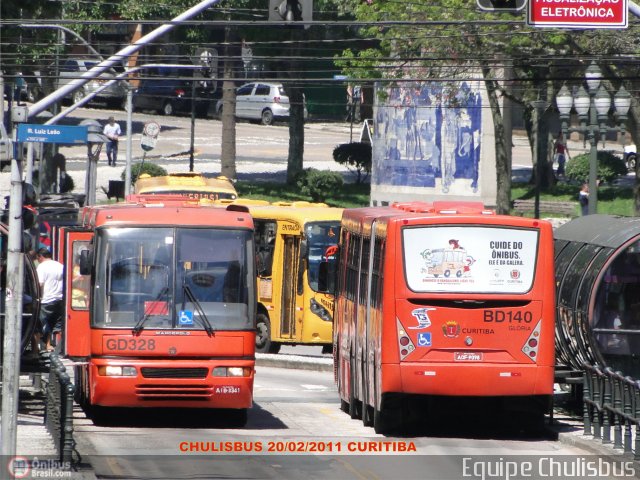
[539, 60]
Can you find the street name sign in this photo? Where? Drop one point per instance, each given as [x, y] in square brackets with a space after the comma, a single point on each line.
[578, 13]
[51, 133]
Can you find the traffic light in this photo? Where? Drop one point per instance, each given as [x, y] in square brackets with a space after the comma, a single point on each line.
[291, 11]
[501, 5]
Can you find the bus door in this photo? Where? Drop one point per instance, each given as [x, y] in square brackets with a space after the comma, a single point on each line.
[77, 287]
[289, 295]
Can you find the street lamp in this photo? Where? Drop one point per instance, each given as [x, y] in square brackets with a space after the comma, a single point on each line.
[95, 140]
[593, 108]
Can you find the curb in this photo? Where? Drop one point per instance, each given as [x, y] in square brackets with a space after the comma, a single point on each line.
[294, 361]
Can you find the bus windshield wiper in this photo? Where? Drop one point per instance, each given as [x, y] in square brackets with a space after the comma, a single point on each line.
[205, 321]
[140, 325]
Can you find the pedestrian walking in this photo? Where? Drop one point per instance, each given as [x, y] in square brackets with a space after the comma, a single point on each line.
[50, 276]
[560, 154]
[583, 199]
[112, 132]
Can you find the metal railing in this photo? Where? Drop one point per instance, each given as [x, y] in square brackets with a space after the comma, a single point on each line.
[612, 402]
[59, 409]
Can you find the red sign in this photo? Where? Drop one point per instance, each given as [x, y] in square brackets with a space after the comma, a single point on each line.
[578, 13]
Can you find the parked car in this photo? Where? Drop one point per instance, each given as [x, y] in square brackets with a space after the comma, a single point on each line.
[630, 155]
[72, 68]
[261, 101]
[170, 96]
[23, 86]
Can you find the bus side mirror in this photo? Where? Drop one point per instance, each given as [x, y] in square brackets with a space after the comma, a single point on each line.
[85, 262]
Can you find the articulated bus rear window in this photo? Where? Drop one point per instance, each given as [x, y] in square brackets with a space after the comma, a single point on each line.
[460, 259]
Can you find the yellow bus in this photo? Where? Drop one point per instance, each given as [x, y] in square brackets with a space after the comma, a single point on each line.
[190, 184]
[292, 240]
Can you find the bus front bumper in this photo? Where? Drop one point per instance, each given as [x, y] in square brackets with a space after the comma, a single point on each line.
[174, 383]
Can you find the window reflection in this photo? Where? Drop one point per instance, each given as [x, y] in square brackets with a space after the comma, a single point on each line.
[618, 305]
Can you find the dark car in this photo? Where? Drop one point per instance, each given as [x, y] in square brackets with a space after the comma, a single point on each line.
[171, 96]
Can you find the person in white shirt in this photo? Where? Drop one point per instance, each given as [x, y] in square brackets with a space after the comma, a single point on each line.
[112, 132]
[50, 276]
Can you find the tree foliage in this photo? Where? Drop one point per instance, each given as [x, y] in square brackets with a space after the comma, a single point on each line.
[356, 156]
[515, 60]
[610, 167]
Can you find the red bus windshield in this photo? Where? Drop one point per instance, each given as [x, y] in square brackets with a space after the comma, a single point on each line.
[469, 259]
[174, 278]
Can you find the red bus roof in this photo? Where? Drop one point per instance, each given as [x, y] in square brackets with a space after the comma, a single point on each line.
[175, 212]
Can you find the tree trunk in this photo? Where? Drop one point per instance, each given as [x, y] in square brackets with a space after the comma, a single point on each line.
[503, 167]
[228, 141]
[296, 113]
[296, 133]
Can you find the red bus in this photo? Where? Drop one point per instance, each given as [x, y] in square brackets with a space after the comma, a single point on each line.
[440, 300]
[160, 306]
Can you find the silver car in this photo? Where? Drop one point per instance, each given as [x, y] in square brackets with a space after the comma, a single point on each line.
[261, 101]
[73, 68]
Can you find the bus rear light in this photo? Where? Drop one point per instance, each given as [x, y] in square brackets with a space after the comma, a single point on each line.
[231, 372]
[116, 371]
[405, 345]
[532, 344]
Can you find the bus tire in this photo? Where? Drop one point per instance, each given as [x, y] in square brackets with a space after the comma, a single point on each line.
[344, 406]
[263, 334]
[459, 273]
[382, 421]
[447, 273]
[367, 415]
[238, 417]
[355, 406]
[100, 415]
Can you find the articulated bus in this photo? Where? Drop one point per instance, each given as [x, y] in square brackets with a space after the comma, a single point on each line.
[291, 241]
[442, 300]
[160, 306]
[191, 185]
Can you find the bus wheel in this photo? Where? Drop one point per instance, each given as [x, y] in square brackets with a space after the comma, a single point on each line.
[355, 406]
[459, 273]
[100, 415]
[382, 421]
[327, 349]
[237, 417]
[367, 415]
[447, 273]
[344, 406]
[263, 334]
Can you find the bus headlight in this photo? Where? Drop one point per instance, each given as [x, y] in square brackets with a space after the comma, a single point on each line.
[116, 371]
[231, 372]
[319, 310]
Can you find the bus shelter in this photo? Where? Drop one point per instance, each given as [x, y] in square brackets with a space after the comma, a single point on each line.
[597, 263]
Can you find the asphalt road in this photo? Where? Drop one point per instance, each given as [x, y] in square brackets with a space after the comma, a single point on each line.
[296, 430]
[261, 151]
